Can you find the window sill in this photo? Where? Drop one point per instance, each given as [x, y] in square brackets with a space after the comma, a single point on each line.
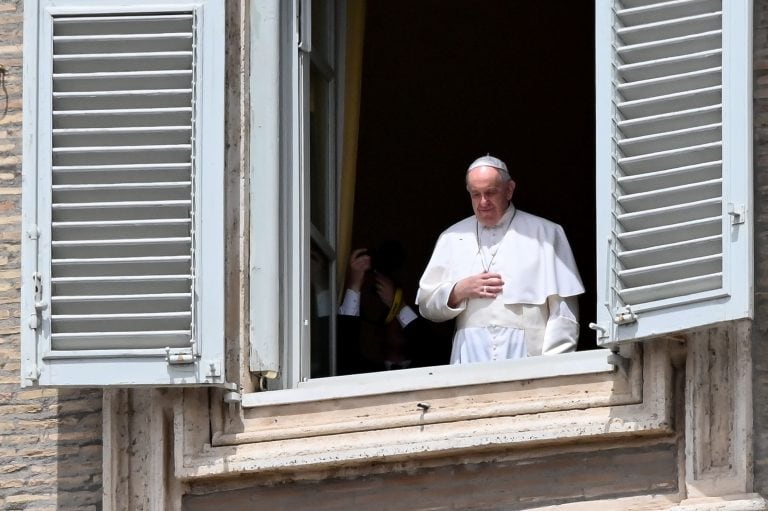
[437, 377]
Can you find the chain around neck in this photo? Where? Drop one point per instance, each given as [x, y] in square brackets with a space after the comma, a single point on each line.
[486, 268]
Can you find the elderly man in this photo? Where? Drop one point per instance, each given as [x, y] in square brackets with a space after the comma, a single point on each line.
[508, 277]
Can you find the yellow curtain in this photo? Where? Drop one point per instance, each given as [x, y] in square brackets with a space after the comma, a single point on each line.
[352, 79]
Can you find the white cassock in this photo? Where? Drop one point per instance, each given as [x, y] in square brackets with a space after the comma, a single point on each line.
[537, 312]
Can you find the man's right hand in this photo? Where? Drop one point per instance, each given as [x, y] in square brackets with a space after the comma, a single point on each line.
[482, 285]
[359, 263]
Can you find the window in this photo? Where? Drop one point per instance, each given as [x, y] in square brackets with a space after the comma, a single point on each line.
[672, 171]
[123, 193]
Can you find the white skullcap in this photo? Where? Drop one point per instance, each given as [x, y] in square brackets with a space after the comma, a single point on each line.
[489, 161]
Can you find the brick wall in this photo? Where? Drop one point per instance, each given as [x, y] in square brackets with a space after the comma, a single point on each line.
[50, 441]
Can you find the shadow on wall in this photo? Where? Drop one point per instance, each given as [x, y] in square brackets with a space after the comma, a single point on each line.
[76, 431]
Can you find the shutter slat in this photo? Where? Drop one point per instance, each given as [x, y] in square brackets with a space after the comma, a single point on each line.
[671, 84]
[659, 254]
[658, 12]
[134, 316]
[670, 233]
[670, 121]
[665, 272]
[670, 65]
[674, 214]
[655, 199]
[120, 340]
[671, 289]
[124, 204]
[652, 143]
[670, 159]
[659, 105]
[122, 298]
[670, 177]
[670, 28]
[656, 50]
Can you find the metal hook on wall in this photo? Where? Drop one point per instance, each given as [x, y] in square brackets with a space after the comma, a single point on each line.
[3, 70]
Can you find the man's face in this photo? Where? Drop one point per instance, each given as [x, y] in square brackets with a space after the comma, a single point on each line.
[490, 195]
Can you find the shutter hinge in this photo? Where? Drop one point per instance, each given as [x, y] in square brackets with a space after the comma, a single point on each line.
[618, 361]
[738, 213]
[625, 316]
[232, 395]
[179, 357]
[33, 232]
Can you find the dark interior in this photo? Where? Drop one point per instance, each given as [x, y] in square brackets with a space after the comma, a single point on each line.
[446, 81]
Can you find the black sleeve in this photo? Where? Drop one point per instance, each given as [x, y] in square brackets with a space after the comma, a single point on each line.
[429, 345]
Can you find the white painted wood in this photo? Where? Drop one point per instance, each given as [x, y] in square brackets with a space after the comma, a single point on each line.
[265, 172]
[127, 195]
[673, 158]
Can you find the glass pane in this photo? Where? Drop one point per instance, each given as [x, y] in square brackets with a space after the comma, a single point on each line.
[320, 151]
[321, 309]
[321, 29]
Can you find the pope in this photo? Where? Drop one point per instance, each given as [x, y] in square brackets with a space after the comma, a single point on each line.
[508, 277]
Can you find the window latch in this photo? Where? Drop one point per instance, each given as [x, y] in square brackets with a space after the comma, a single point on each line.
[36, 319]
[602, 332]
[738, 213]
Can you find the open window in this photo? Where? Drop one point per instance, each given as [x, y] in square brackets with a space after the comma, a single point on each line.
[444, 82]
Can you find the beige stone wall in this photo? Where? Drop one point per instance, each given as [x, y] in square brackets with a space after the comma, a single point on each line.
[50, 441]
[760, 335]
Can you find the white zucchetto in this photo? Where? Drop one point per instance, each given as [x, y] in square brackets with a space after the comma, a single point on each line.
[489, 161]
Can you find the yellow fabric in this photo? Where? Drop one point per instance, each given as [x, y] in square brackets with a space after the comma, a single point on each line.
[352, 79]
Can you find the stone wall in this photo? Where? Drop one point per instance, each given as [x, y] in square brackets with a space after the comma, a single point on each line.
[50, 440]
[760, 331]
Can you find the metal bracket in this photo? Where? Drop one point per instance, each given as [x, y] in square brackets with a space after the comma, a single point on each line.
[232, 396]
[602, 333]
[621, 363]
[738, 213]
[179, 357]
[625, 316]
[36, 318]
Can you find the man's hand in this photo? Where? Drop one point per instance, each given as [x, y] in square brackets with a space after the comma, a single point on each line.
[482, 285]
[359, 263]
[385, 288]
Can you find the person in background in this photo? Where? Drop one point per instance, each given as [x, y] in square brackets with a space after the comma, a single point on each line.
[376, 328]
[507, 277]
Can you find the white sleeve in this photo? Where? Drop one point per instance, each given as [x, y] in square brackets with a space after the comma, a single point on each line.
[562, 330]
[436, 285]
[351, 304]
[405, 316]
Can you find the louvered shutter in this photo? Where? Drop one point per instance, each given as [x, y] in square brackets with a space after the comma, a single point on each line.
[123, 256]
[674, 165]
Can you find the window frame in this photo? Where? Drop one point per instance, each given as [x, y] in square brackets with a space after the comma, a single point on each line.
[293, 389]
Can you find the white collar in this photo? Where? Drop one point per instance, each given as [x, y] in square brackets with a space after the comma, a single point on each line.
[504, 220]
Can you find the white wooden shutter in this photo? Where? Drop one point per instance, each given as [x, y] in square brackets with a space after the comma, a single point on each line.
[266, 18]
[123, 257]
[674, 165]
